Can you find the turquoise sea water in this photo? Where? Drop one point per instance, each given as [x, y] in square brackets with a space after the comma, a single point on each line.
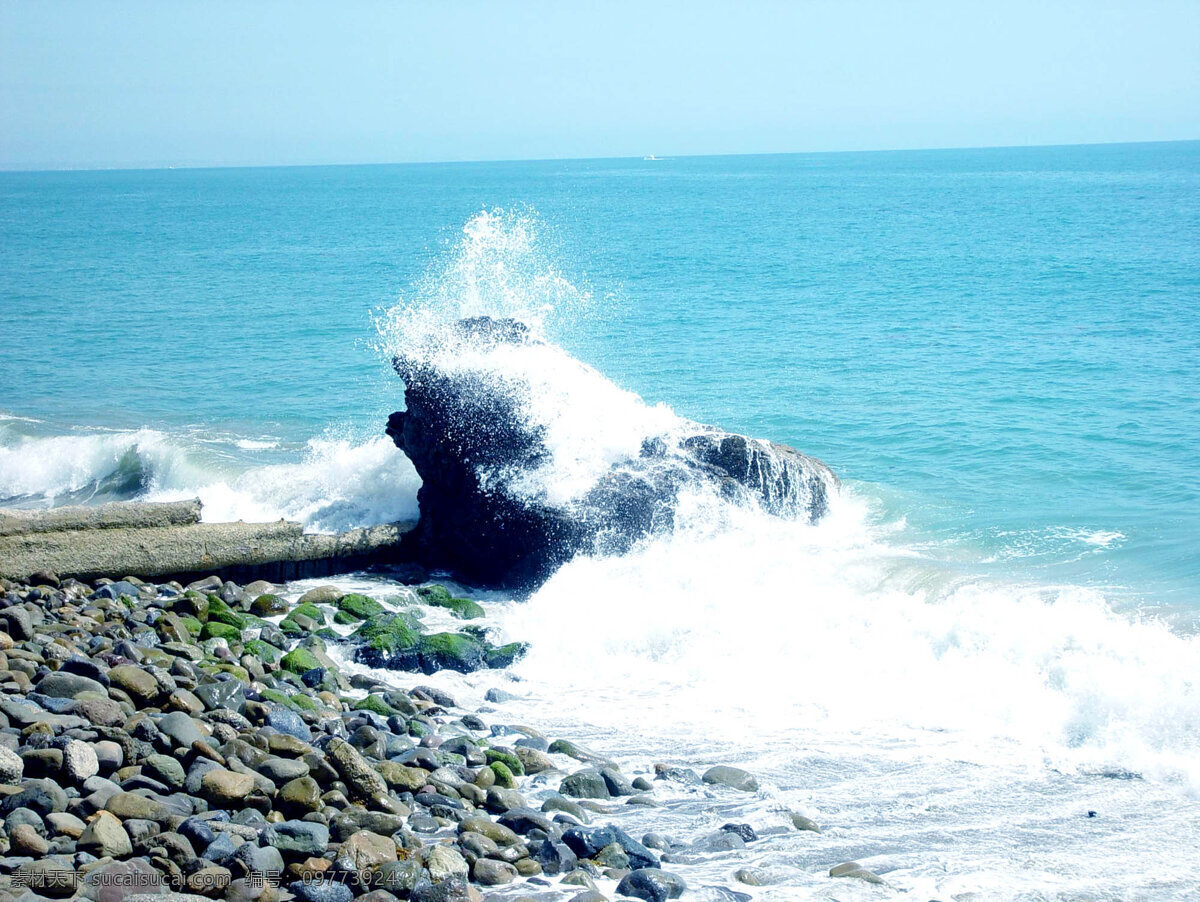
[1004, 343]
[980, 673]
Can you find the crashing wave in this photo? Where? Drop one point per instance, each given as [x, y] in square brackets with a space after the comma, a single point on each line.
[490, 459]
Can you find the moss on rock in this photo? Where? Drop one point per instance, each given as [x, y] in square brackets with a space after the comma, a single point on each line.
[360, 607]
[508, 759]
[299, 660]
[215, 629]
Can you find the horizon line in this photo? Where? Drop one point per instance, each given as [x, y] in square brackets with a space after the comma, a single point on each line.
[164, 167]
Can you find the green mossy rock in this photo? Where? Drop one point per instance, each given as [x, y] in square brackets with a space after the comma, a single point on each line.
[506, 655]
[462, 608]
[311, 611]
[508, 759]
[451, 651]
[214, 629]
[374, 704]
[290, 628]
[389, 633]
[268, 605]
[266, 653]
[504, 776]
[326, 632]
[220, 612]
[344, 619]
[299, 660]
[194, 626]
[360, 607]
[191, 604]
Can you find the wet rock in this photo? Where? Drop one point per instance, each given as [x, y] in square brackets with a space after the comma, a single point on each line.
[651, 884]
[800, 822]
[365, 851]
[585, 784]
[297, 839]
[488, 872]
[855, 871]
[733, 777]
[443, 863]
[745, 831]
[321, 891]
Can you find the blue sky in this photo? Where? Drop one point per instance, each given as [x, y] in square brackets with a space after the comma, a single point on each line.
[216, 83]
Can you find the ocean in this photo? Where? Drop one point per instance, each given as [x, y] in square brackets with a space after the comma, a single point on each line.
[980, 673]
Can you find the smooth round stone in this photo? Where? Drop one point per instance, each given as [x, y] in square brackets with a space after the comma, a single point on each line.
[80, 761]
[321, 891]
[489, 872]
[109, 755]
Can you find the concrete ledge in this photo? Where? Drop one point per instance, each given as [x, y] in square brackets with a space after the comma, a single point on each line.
[267, 550]
[107, 516]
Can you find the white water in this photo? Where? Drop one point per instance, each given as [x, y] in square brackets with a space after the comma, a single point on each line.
[330, 484]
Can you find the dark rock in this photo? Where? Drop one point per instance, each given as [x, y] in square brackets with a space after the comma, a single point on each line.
[321, 891]
[733, 777]
[556, 857]
[471, 444]
[651, 884]
[745, 831]
[586, 784]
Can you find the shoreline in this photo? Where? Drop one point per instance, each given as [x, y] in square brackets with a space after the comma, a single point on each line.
[132, 722]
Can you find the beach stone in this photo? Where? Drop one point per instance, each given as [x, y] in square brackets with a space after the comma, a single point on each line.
[321, 891]
[166, 769]
[751, 877]
[40, 796]
[224, 786]
[556, 857]
[800, 822]
[321, 595]
[398, 877]
[651, 884]
[533, 761]
[745, 831]
[12, 766]
[79, 761]
[180, 728]
[443, 863]
[230, 694]
[18, 623]
[131, 806]
[297, 839]
[524, 820]
[60, 684]
[365, 851]
[64, 824]
[280, 770]
[362, 779]
[616, 783]
[48, 877]
[289, 723]
[854, 870]
[489, 872]
[24, 839]
[109, 755]
[733, 777]
[115, 881]
[456, 889]
[300, 796]
[585, 784]
[135, 682]
[103, 712]
[105, 836]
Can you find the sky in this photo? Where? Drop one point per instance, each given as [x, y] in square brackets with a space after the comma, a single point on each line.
[177, 82]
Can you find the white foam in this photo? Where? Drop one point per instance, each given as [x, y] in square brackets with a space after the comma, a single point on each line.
[336, 484]
[758, 625]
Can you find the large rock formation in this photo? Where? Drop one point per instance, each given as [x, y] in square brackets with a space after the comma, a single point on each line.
[470, 442]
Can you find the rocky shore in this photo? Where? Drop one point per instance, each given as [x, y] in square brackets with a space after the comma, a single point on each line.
[201, 742]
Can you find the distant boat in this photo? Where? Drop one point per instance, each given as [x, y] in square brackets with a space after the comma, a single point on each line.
[651, 157]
